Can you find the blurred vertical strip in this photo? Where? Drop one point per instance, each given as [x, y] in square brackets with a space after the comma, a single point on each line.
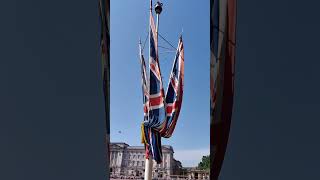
[222, 68]
[104, 12]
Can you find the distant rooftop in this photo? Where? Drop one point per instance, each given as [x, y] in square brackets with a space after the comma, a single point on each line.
[122, 144]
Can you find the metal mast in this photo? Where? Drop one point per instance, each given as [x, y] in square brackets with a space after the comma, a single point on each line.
[158, 10]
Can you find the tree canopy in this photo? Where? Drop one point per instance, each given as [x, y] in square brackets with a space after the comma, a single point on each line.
[205, 163]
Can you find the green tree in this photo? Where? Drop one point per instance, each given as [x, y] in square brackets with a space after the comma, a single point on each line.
[205, 163]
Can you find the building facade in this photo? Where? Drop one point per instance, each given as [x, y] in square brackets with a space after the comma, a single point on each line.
[128, 161]
[193, 173]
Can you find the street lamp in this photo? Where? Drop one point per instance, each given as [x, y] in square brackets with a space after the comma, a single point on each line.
[158, 7]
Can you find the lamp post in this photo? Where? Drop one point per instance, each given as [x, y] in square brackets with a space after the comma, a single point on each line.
[158, 10]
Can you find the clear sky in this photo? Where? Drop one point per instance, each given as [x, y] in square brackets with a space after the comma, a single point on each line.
[129, 21]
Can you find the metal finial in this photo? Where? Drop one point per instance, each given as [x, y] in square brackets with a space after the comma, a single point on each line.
[158, 7]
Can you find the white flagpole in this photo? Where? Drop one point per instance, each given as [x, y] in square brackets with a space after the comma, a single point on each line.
[148, 169]
[149, 162]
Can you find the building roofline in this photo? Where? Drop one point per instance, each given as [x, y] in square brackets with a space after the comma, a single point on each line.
[119, 143]
[163, 146]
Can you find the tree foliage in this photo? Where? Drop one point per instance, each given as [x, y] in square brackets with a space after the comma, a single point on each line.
[205, 163]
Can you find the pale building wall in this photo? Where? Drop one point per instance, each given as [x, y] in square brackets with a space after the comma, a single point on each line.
[129, 160]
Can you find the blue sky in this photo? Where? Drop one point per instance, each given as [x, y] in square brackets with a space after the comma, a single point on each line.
[129, 22]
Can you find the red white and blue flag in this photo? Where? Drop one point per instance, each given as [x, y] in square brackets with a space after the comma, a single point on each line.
[222, 75]
[160, 111]
[156, 93]
[174, 92]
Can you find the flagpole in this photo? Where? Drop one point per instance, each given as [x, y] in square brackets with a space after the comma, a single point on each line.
[149, 161]
[148, 169]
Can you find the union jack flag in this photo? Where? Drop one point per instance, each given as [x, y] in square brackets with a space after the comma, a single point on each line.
[222, 76]
[174, 92]
[145, 91]
[160, 111]
[157, 113]
[153, 99]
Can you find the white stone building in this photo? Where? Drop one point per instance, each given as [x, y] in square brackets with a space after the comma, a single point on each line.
[128, 161]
